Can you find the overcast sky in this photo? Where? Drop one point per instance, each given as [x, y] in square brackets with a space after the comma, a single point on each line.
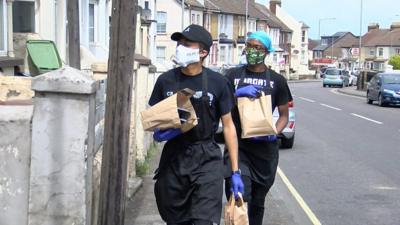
[346, 12]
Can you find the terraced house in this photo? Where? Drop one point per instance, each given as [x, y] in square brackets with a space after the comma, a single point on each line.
[226, 21]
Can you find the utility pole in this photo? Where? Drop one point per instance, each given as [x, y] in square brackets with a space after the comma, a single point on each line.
[117, 115]
[247, 21]
[360, 39]
[74, 55]
[183, 14]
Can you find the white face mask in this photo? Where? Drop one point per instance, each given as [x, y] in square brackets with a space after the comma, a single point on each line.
[185, 56]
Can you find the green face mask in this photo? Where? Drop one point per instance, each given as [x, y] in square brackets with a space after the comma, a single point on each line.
[255, 57]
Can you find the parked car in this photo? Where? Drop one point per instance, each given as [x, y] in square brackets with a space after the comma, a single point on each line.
[384, 88]
[287, 136]
[335, 77]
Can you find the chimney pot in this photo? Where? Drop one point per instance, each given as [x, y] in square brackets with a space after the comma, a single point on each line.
[273, 4]
[373, 26]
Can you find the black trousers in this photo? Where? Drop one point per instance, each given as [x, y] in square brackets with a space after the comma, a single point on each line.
[194, 222]
[254, 195]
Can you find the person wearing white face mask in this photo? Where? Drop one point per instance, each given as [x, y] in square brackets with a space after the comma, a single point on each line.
[189, 179]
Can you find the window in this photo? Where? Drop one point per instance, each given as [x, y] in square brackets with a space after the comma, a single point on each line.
[324, 42]
[303, 36]
[222, 53]
[161, 54]
[275, 58]
[380, 51]
[146, 5]
[303, 57]
[371, 51]
[2, 27]
[24, 16]
[193, 17]
[91, 23]
[161, 22]
[397, 51]
[198, 20]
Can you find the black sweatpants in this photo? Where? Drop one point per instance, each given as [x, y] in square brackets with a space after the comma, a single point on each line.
[254, 195]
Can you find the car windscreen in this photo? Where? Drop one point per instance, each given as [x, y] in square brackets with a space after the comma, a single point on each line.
[391, 79]
[332, 72]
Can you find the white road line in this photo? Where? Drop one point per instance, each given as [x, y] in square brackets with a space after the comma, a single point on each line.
[366, 118]
[331, 107]
[307, 99]
[335, 91]
[298, 198]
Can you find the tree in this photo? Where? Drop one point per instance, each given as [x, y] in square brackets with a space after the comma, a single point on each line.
[395, 62]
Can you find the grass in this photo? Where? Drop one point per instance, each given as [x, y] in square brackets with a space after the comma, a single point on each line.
[143, 167]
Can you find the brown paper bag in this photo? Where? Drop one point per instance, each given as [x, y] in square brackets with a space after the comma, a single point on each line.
[164, 114]
[235, 212]
[256, 116]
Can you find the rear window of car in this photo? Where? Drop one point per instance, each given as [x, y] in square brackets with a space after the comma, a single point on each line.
[332, 72]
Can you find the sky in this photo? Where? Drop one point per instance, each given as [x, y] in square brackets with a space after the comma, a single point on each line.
[345, 12]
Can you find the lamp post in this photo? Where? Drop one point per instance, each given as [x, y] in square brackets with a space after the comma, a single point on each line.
[359, 43]
[247, 14]
[183, 14]
[319, 27]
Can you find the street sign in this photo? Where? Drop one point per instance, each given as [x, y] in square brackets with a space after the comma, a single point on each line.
[354, 51]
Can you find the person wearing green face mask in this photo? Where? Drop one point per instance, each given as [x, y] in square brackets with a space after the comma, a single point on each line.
[258, 157]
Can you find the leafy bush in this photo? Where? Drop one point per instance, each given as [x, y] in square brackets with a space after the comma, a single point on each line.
[395, 62]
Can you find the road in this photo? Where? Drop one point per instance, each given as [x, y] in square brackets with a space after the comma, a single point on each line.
[345, 162]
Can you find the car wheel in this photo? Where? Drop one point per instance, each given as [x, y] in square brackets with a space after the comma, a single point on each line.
[323, 85]
[287, 143]
[380, 101]
[369, 101]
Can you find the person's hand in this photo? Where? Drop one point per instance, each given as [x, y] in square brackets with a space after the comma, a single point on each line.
[269, 138]
[165, 135]
[251, 91]
[237, 185]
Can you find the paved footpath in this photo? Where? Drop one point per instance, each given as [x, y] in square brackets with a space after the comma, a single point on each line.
[281, 207]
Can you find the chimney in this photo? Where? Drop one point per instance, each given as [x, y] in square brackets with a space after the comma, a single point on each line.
[373, 26]
[273, 4]
[395, 25]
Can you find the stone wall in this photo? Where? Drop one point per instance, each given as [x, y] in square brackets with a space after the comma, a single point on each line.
[15, 155]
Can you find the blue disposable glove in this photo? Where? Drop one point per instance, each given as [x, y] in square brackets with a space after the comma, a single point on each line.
[269, 138]
[251, 91]
[165, 135]
[237, 185]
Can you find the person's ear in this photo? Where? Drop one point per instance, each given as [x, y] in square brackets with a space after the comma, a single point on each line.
[203, 53]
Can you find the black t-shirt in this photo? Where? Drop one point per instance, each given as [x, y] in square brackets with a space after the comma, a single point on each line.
[220, 92]
[273, 84]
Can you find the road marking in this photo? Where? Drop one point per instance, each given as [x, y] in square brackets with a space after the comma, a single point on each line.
[298, 198]
[331, 107]
[366, 118]
[386, 188]
[307, 99]
[335, 91]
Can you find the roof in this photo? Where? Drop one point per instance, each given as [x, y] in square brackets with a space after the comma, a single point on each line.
[312, 44]
[208, 4]
[237, 7]
[381, 37]
[304, 26]
[272, 20]
[192, 3]
[337, 38]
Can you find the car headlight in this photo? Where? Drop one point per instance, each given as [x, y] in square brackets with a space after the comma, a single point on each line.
[387, 91]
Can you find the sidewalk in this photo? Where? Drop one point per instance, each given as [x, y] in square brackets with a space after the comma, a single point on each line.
[281, 207]
[352, 91]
